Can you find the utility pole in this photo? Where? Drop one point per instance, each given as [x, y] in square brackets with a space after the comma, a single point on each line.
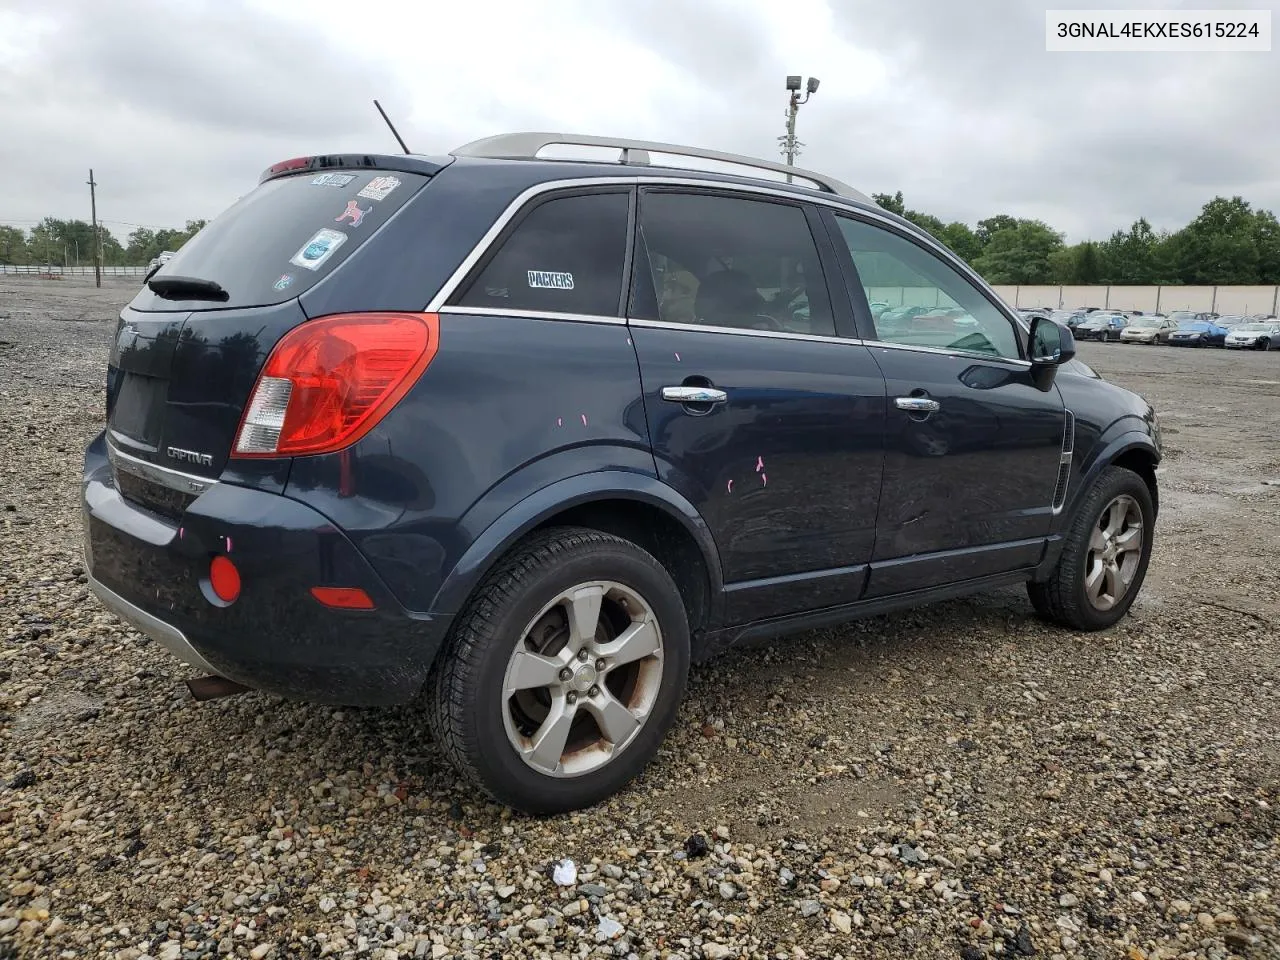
[97, 242]
[790, 145]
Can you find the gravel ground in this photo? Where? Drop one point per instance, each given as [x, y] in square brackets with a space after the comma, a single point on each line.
[960, 781]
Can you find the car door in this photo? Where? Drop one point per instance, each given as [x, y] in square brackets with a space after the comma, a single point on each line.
[762, 411]
[974, 444]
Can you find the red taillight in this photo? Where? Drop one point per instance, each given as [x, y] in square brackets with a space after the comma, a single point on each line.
[329, 381]
[224, 578]
[345, 598]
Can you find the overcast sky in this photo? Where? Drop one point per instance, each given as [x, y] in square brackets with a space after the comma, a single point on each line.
[178, 106]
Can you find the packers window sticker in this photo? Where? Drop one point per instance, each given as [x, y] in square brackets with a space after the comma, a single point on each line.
[550, 280]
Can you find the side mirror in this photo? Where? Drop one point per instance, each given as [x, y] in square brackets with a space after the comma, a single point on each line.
[1052, 344]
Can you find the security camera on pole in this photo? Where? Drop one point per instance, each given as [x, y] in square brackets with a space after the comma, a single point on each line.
[790, 145]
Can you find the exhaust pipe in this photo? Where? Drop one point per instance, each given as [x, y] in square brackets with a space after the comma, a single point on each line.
[211, 688]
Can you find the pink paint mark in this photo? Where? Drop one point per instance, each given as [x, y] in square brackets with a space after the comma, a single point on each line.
[677, 358]
[759, 464]
[628, 341]
[731, 486]
[559, 421]
[764, 480]
[182, 532]
[584, 419]
[228, 539]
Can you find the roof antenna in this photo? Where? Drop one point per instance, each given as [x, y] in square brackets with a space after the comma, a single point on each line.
[391, 125]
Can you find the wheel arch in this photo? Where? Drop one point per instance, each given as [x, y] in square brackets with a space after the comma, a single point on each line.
[1134, 450]
[632, 506]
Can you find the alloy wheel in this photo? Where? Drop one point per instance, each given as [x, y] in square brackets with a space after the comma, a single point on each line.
[583, 678]
[1115, 553]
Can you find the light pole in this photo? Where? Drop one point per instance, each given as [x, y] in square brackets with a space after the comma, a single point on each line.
[790, 145]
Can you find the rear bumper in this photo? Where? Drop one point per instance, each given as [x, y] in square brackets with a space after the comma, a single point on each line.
[276, 637]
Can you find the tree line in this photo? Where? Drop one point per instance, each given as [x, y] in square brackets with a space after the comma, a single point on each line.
[1229, 242]
[70, 242]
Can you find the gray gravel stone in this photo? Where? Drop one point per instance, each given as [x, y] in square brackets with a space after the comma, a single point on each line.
[960, 780]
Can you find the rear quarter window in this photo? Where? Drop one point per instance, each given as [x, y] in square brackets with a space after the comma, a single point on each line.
[565, 255]
[286, 236]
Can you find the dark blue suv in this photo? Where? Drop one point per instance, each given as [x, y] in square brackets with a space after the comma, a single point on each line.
[527, 436]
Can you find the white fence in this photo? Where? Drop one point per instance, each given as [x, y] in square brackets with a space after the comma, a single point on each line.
[1224, 300]
[61, 271]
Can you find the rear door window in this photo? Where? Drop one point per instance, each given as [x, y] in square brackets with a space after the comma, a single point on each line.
[286, 235]
[566, 255]
[731, 261]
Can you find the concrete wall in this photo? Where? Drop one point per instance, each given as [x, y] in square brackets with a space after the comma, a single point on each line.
[1224, 300]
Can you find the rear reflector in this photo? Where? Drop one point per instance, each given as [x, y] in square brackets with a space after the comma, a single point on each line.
[329, 381]
[224, 578]
[345, 598]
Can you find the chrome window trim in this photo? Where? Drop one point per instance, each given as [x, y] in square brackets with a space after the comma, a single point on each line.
[739, 331]
[164, 476]
[515, 206]
[959, 354]
[533, 314]
[450, 286]
[761, 190]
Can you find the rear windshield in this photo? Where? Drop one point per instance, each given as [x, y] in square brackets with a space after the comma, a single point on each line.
[285, 236]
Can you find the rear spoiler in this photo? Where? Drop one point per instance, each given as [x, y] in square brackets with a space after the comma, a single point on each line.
[411, 163]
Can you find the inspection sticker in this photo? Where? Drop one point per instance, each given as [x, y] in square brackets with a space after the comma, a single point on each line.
[319, 249]
[333, 179]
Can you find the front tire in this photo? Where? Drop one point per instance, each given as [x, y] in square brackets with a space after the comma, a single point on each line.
[560, 679]
[1264, 344]
[1104, 561]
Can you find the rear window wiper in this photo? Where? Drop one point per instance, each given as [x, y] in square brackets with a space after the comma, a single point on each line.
[186, 288]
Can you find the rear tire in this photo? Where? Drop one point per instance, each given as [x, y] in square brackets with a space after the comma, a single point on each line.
[1264, 344]
[573, 631]
[1097, 577]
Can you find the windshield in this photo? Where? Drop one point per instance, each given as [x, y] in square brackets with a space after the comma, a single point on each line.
[1183, 315]
[1145, 324]
[1254, 327]
[1196, 326]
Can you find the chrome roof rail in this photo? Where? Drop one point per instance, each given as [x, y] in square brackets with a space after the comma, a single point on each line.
[527, 146]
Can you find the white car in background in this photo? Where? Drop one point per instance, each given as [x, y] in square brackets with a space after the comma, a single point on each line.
[158, 262]
[1255, 335]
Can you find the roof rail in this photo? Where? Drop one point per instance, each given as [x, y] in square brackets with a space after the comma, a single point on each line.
[526, 146]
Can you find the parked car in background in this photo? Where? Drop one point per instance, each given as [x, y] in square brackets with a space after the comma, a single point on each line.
[901, 315]
[1198, 333]
[1254, 335]
[1068, 318]
[1029, 312]
[1231, 321]
[443, 457]
[1148, 329]
[1199, 316]
[159, 261]
[1101, 326]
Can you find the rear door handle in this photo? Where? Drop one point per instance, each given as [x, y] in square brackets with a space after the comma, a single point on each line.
[917, 404]
[684, 394]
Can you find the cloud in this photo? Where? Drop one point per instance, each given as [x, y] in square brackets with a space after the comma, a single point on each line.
[178, 106]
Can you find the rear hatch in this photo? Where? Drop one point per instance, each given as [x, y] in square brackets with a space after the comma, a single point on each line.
[189, 347]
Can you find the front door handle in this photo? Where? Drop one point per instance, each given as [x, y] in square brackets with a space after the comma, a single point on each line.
[917, 404]
[685, 394]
